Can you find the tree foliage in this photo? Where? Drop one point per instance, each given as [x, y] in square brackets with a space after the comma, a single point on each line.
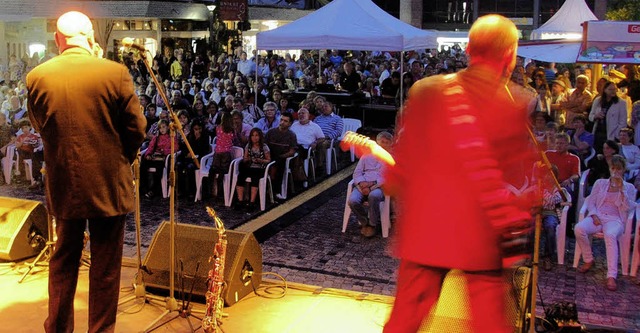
[624, 10]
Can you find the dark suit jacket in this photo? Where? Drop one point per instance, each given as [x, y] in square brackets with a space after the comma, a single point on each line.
[91, 124]
[442, 221]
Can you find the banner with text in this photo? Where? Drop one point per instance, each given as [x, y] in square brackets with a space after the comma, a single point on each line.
[610, 42]
[233, 10]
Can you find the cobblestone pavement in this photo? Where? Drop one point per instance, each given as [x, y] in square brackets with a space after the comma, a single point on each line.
[307, 246]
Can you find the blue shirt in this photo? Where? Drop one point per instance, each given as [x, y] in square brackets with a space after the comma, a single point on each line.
[331, 125]
[264, 125]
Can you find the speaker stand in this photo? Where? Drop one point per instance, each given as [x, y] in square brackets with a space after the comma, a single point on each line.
[44, 256]
[42, 259]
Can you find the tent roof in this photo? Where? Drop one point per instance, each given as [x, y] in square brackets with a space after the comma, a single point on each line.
[561, 51]
[567, 20]
[347, 25]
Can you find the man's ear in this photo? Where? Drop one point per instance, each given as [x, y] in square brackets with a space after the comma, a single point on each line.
[56, 36]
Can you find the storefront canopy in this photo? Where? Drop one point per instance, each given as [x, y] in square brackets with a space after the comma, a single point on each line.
[347, 25]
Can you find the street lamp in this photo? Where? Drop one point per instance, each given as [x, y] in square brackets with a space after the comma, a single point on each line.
[212, 33]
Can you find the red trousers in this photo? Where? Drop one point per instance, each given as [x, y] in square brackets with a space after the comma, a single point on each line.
[418, 290]
[106, 239]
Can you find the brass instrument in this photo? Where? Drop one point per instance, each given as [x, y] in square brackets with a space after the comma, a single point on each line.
[215, 302]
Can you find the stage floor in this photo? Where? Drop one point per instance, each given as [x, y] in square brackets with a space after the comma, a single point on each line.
[304, 308]
[23, 308]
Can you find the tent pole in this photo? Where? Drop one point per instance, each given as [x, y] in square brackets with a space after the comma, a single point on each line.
[401, 83]
[319, 66]
[255, 84]
[596, 74]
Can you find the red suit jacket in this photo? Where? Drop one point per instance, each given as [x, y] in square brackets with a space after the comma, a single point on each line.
[91, 124]
[442, 222]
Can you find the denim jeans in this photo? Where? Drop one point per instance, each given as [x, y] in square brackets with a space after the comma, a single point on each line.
[356, 202]
[549, 225]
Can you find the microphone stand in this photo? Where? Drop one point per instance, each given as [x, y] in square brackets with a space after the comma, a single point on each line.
[171, 304]
[138, 285]
[538, 229]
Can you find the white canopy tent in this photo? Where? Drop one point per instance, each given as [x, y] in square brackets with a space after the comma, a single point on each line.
[562, 51]
[566, 22]
[347, 25]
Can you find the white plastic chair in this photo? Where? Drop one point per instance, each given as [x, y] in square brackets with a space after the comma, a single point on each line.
[28, 170]
[561, 229]
[309, 167]
[592, 154]
[8, 162]
[385, 211]
[236, 156]
[205, 165]
[582, 190]
[331, 157]
[624, 241]
[164, 182]
[264, 185]
[287, 176]
[635, 258]
[352, 125]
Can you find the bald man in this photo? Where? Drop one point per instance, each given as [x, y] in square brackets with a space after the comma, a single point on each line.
[91, 125]
[463, 137]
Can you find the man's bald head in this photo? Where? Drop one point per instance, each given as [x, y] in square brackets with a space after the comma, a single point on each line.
[494, 39]
[74, 29]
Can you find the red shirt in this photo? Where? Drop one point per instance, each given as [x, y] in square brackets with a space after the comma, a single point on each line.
[567, 163]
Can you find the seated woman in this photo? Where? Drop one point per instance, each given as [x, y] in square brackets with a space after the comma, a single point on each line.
[256, 158]
[630, 152]
[607, 208]
[159, 148]
[600, 165]
[222, 156]
[198, 139]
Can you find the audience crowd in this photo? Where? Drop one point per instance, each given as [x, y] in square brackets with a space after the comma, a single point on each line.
[246, 101]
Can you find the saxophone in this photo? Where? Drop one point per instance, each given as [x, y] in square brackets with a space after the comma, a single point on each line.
[215, 302]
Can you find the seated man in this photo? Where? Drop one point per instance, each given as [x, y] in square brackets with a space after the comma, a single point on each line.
[608, 206]
[579, 101]
[308, 134]
[390, 86]
[581, 140]
[550, 219]
[282, 144]
[568, 164]
[367, 178]
[331, 125]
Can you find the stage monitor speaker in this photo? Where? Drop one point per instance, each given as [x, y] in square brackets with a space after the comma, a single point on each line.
[194, 244]
[23, 228]
[453, 311]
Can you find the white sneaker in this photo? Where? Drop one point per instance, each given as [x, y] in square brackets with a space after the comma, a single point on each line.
[280, 196]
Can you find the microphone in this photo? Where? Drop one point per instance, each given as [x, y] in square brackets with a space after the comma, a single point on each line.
[128, 42]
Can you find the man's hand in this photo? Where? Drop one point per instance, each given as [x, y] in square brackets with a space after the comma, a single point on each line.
[365, 190]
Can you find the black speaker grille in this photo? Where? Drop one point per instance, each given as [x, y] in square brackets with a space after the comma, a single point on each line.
[194, 244]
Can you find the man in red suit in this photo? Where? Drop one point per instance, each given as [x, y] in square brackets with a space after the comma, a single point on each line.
[92, 126]
[463, 136]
